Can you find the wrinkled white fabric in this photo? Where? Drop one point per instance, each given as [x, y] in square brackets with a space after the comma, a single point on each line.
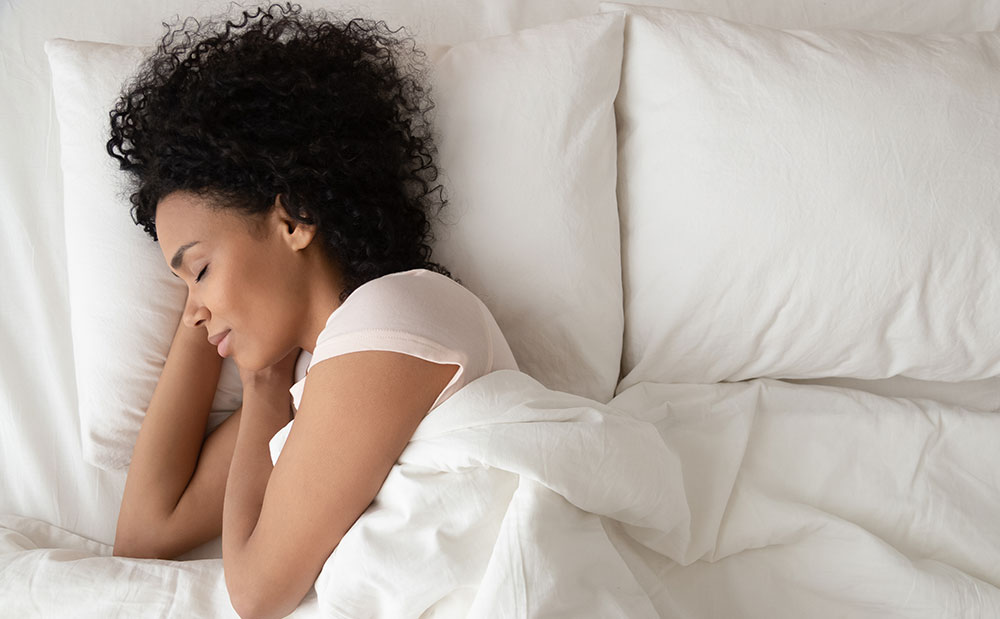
[758, 499]
[504, 488]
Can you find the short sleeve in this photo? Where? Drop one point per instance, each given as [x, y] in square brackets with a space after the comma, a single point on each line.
[420, 313]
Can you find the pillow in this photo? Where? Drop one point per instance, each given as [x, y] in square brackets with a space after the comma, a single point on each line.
[957, 16]
[527, 152]
[526, 140]
[803, 204]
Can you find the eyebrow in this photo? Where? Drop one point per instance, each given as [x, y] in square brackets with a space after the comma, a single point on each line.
[178, 258]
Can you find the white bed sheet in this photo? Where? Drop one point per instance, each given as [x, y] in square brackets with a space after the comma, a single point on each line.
[43, 478]
[753, 499]
[826, 501]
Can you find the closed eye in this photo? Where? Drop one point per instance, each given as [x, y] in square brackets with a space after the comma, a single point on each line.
[200, 275]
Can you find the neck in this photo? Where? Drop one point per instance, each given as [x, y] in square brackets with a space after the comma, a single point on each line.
[322, 299]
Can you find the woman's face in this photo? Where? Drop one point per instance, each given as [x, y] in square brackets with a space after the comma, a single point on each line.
[254, 288]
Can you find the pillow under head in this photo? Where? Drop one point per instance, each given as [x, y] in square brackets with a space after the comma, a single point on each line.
[526, 134]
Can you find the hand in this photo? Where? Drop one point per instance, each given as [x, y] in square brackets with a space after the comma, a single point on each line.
[280, 375]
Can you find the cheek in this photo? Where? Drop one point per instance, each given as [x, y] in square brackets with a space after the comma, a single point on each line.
[226, 297]
[258, 299]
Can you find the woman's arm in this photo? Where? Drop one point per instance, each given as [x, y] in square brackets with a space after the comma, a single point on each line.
[176, 480]
[357, 413]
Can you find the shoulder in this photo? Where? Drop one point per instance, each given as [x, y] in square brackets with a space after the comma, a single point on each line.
[417, 300]
[419, 312]
[409, 285]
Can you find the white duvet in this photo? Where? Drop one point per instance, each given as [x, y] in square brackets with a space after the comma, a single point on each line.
[753, 499]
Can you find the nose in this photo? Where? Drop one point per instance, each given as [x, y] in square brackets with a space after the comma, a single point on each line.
[195, 314]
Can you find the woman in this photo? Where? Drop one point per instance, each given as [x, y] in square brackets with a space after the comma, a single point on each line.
[283, 164]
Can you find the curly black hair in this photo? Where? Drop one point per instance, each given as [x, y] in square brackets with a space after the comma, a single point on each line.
[330, 114]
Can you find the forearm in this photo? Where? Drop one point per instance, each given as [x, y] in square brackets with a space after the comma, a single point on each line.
[266, 409]
[170, 439]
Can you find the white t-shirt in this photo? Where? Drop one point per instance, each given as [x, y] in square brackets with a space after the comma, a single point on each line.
[417, 312]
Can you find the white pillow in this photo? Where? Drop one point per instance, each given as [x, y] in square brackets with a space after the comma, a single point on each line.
[528, 157]
[804, 204]
[526, 154]
[958, 16]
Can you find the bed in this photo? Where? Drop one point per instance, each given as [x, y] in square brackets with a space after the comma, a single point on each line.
[745, 255]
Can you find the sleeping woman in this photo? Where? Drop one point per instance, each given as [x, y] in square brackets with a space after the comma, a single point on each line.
[283, 164]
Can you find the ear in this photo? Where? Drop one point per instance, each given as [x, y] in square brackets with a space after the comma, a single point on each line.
[297, 234]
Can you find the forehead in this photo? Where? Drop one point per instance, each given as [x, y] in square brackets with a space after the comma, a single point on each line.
[185, 220]
[181, 213]
[183, 217]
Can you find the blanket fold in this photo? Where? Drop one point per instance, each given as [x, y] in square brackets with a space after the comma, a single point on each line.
[506, 484]
[754, 499]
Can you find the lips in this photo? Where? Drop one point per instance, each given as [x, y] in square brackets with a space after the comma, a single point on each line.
[215, 339]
